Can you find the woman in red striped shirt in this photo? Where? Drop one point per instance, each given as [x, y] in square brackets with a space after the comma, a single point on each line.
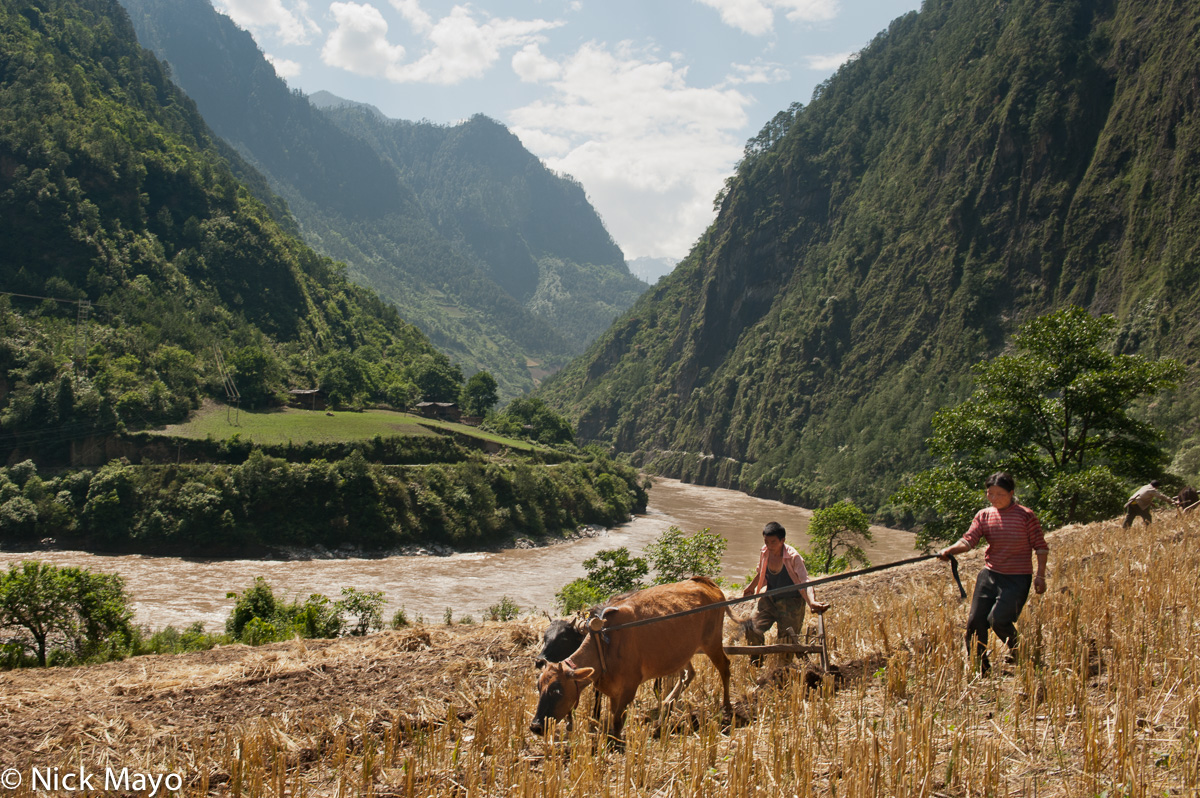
[1013, 534]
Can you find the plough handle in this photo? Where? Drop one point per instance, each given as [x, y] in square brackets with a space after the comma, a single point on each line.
[962, 594]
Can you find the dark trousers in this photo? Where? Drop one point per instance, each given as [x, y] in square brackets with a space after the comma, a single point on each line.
[1132, 512]
[786, 611]
[996, 605]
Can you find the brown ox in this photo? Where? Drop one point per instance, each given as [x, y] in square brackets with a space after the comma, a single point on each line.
[632, 656]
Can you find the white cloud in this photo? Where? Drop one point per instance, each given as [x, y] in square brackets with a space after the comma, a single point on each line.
[272, 17]
[411, 10]
[462, 47]
[359, 43]
[546, 145]
[652, 150]
[828, 63]
[283, 67]
[757, 17]
[758, 72]
[533, 67]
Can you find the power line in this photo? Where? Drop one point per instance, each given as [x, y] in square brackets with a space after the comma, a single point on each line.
[51, 298]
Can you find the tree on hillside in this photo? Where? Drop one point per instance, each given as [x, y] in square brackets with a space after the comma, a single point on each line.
[257, 375]
[841, 526]
[531, 417]
[1056, 413]
[436, 378]
[479, 394]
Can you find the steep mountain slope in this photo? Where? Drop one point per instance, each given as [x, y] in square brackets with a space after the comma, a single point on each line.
[411, 209]
[113, 191]
[534, 232]
[976, 165]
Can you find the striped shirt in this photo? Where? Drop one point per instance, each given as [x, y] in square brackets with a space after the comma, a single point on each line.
[1013, 534]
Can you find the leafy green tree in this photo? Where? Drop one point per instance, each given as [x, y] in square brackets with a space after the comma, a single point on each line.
[18, 518]
[841, 526]
[609, 572]
[401, 393]
[615, 571]
[479, 394]
[344, 377]
[256, 375]
[102, 621]
[576, 595]
[676, 556]
[35, 597]
[943, 500]
[436, 378]
[531, 417]
[85, 609]
[1057, 408]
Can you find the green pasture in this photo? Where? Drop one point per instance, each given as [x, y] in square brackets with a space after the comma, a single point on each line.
[278, 427]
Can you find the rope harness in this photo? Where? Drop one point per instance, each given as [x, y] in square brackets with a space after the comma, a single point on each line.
[596, 624]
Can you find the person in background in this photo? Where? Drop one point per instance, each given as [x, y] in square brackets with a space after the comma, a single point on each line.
[779, 565]
[1014, 536]
[1139, 503]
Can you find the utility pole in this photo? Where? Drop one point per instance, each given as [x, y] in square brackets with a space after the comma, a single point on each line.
[79, 353]
[232, 397]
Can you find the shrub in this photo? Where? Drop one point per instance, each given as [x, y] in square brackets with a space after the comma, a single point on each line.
[506, 610]
[364, 608]
[577, 595]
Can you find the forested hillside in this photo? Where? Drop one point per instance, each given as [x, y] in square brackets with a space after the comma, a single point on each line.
[505, 266]
[114, 192]
[978, 164]
[533, 231]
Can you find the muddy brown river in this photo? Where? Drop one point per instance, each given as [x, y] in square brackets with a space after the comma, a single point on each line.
[178, 591]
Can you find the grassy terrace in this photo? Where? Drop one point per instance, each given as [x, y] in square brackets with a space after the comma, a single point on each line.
[278, 427]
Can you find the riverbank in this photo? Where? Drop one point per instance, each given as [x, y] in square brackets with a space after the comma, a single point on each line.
[1106, 703]
[179, 591]
[266, 505]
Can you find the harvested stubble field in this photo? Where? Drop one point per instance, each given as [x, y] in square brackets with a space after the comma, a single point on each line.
[1107, 703]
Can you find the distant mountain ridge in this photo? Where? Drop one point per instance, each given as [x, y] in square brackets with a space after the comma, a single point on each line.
[514, 299]
[979, 164]
[650, 270]
[326, 100]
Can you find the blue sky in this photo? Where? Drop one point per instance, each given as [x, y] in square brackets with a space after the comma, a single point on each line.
[648, 103]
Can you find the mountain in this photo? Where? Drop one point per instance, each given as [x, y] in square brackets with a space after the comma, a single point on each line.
[977, 165]
[649, 270]
[515, 288]
[326, 100]
[131, 252]
[532, 231]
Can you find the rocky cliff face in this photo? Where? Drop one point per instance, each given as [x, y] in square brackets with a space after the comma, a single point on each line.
[977, 165]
